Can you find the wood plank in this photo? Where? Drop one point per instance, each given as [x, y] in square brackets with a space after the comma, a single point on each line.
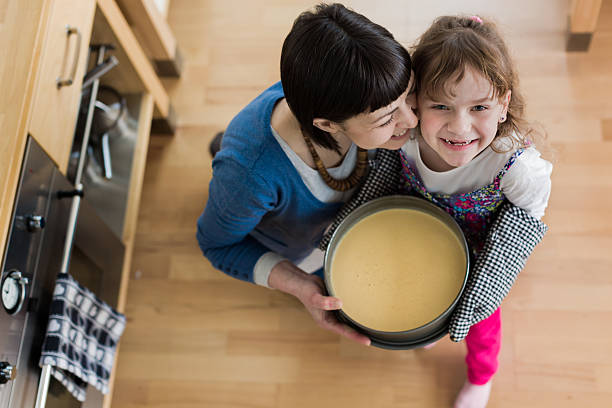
[606, 130]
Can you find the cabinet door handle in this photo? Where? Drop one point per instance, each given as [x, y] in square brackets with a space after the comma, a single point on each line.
[68, 81]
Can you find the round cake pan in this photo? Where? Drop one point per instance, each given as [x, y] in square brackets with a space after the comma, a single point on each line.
[419, 336]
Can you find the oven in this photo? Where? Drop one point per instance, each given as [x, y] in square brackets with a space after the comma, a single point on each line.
[65, 224]
[53, 230]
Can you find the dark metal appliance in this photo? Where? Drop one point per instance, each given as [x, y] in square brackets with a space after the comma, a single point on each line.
[41, 243]
[64, 224]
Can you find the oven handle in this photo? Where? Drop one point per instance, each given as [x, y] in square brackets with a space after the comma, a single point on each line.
[43, 386]
[45, 375]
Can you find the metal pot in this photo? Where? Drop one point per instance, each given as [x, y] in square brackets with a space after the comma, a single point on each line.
[109, 109]
[419, 336]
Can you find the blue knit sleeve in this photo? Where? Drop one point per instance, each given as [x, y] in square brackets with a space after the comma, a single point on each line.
[237, 200]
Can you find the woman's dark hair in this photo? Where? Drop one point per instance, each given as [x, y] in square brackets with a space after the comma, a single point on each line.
[335, 64]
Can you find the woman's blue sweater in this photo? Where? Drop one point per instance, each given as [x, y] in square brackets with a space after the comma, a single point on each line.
[257, 201]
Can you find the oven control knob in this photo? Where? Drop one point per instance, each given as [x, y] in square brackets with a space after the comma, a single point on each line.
[35, 222]
[7, 372]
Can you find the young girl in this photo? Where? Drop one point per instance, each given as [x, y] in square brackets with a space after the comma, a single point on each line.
[472, 150]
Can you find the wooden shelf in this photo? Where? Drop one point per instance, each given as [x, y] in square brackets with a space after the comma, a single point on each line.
[155, 35]
[582, 22]
[134, 74]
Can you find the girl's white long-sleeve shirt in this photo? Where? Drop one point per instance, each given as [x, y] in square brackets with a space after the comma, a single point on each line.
[526, 184]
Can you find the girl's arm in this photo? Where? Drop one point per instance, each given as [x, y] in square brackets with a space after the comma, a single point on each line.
[510, 241]
[527, 183]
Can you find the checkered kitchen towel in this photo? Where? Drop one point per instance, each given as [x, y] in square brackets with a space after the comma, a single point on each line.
[510, 240]
[82, 336]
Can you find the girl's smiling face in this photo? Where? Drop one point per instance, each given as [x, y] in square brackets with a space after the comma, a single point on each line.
[457, 127]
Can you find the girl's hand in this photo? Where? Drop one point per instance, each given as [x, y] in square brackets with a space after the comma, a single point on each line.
[310, 290]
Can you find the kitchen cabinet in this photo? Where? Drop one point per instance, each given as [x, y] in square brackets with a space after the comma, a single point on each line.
[38, 49]
[47, 40]
[61, 70]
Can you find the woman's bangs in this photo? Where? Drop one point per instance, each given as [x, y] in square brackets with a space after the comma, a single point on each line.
[389, 85]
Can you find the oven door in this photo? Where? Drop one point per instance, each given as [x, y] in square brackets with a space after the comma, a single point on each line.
[37, 247]
[36, 232]
[62, 239]
[96, 260]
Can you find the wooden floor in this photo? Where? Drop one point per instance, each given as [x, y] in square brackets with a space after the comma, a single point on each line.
[196, 338]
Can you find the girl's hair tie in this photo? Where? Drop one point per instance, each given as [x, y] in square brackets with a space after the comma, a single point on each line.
[476, 19]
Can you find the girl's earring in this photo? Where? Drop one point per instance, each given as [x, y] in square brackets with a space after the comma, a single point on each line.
[502, 119]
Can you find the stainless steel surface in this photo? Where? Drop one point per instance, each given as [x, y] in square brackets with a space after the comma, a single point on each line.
[93, 255]
[95, 260]
[39, 249]
[109, 127]
[54, 230]
[70, 80]
[92, 252]
[45, 376]
[23, 251]
[54, 258]
[409, 338]
[97, 257]
[90, 247]
[109, 197]
[51, 239]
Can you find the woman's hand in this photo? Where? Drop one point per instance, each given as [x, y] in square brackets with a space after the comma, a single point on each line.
[310, 290]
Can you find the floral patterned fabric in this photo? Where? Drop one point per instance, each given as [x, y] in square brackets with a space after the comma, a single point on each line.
[473, 211]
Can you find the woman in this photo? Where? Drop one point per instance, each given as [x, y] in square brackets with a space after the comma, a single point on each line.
[293, 157]
[295, 154]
